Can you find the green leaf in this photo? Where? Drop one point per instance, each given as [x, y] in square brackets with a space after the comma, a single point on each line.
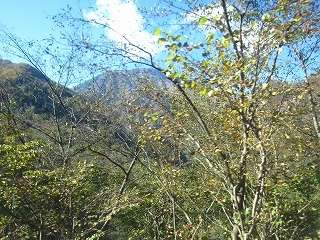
[169, 59]
[296, 20]
[180, 59]
[157, 31]
[203, 91]
[224, 42]
[265, 17]
[178, 38]
[175, 75]
[202, 20]
[161, 40]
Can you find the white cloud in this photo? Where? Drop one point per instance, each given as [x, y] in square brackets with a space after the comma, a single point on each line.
[123, 19]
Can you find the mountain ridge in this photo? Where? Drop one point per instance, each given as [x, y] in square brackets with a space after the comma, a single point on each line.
[116, 84]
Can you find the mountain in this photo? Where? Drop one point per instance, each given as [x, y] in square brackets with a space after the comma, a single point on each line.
[124, 84]
[23, 87]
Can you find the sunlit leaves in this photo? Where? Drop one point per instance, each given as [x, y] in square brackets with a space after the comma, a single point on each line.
[254, 23]
[235, 69]
[258, 130]
[203, 91]
[178, 38]
[154, 116]
[179, 59]
[202, 20]
[161, 40]
[157, 31]
[209, 38]
[168, 60]
[266, 17]
[224, 42]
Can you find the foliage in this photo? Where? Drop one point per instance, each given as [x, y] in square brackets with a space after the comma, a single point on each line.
[228, 149]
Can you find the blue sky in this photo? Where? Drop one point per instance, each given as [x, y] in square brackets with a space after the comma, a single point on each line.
[28, 18]
[32, 19]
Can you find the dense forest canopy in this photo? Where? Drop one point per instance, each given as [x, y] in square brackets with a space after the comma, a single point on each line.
[212, 134]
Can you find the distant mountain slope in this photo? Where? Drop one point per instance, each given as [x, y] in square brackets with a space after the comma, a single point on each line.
[116, 85]
[24, 87]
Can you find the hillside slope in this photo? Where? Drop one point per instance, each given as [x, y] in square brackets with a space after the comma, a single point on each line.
[24, 87]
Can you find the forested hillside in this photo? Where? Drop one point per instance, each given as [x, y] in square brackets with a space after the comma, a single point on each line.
[219, 140]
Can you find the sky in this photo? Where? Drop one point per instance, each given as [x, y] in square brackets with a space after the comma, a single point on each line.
[32, 19]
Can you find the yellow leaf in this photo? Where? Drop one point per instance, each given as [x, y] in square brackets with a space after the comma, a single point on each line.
[254, 23]
[157, 31]
[203, 91]
[264, 86]
[225, 43]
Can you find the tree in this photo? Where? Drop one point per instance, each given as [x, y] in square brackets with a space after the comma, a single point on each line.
[233, 153]
[59, 190]
[239, 67]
